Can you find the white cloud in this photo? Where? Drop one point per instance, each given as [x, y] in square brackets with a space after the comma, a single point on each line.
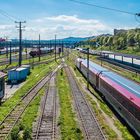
[62, 25]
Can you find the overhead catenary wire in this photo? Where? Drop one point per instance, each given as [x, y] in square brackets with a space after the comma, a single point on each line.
[10, 17]
[136, 18]
[107, 8]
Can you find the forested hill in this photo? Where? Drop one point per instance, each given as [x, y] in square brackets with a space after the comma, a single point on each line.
[121, 40]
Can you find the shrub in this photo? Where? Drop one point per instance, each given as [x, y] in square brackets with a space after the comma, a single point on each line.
[15, 133]
[27, 134]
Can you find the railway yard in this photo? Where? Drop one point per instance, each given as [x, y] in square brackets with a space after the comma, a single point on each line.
[69, 70]
[54, 102]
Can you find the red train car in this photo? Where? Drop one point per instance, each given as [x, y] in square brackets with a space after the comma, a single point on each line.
[121, 93]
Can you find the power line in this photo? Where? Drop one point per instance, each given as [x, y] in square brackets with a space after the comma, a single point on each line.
[136, 18]
[107, 8]
[10, 17]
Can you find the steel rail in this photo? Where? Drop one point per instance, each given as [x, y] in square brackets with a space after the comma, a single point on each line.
[90, 125]
[20, 107]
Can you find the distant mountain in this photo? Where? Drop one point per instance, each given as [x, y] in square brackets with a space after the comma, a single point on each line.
[69, 39]
[75, 39]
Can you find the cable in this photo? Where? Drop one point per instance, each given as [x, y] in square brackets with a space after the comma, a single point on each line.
[107, 8]
[138, 20]
[12, 18]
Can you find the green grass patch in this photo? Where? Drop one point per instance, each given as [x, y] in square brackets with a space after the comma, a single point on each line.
[36, 74]
[27, 61]
[125, 134]
[23, 130]
[68, 125]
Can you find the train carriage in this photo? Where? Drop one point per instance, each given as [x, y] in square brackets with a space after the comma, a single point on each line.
[121, 93]
[122, 101]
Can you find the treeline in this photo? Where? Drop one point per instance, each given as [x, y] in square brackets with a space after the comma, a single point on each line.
[122, 40]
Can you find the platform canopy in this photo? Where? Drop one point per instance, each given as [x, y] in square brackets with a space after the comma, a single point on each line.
[2, 74]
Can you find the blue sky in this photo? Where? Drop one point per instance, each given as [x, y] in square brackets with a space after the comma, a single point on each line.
[65, 18]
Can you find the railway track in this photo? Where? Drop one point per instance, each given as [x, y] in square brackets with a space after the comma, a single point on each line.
[4, 61]
[46, 126]
[35, 64]
[88, 121]
[14, 115]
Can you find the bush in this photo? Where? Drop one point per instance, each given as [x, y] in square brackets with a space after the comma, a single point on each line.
[15, 133]
[27, 134]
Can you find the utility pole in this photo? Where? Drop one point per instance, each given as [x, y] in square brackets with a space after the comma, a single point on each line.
[6, 45]
[10, 60]
[20, 28]
[87, 68]
[55, 48]
[50, 47]
[39, 48]
[62, 48]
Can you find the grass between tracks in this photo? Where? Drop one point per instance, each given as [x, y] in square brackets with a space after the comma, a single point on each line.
[67, 121]
[23, 130]
[27, 61]
[36, 74]
[101, 106]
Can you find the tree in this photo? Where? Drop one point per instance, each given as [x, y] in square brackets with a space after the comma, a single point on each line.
[137, 39]
[121, 43]
[110, 42]
[131, 40]
[105, 40]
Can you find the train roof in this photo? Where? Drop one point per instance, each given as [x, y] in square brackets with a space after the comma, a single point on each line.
[127, 84]
[123, 91]
[97, 67]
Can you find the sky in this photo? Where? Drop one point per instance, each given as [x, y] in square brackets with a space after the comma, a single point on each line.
[66, 18]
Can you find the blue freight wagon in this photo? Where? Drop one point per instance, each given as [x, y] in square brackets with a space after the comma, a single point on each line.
[27, 68]
[17, 75]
